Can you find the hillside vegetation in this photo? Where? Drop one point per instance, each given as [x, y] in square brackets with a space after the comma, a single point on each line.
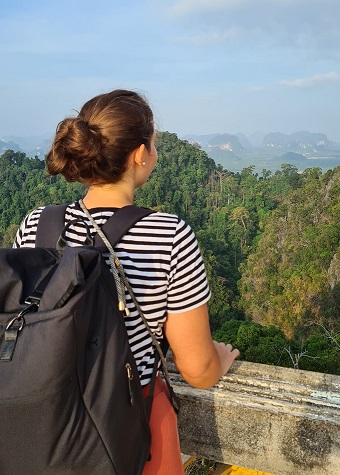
[270, 243]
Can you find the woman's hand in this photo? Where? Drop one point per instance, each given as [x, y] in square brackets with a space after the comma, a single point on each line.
[226, 354]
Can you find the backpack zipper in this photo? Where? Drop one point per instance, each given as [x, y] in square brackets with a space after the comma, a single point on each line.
[130, 378]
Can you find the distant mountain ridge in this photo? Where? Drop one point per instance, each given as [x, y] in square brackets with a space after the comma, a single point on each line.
[244, 140]
[31, 146]
[8, 146]
[225, 142]
[233, 151]
[236, 151]
[297, 141]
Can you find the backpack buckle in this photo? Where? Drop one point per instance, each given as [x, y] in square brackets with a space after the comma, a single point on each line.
[12, 330]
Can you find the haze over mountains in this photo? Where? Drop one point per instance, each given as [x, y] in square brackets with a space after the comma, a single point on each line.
[302, 149]
[233, 151]
[32, 146]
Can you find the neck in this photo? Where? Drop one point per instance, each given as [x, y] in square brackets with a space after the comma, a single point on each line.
[115, 196]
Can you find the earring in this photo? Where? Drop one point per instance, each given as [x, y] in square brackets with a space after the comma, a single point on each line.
[143, 164]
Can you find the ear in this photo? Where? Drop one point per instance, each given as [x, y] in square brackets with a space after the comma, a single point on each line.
[137, 155]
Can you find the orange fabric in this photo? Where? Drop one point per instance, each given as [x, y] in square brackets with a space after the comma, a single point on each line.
[165, 450]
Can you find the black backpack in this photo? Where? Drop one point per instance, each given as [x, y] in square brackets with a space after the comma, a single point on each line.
[70, 395]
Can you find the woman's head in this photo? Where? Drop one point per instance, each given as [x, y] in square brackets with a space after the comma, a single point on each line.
[93, 147]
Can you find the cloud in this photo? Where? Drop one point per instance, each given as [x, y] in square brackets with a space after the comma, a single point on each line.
[189, 7]
[312, 81]
[216, 36]
[302, 25]
[255, 89]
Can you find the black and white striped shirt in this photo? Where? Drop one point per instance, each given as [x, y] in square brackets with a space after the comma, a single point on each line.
[162, 262]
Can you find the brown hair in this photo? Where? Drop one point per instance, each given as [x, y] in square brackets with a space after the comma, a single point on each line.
[93, 147]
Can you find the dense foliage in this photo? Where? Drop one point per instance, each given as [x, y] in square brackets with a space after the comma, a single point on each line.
[25, 185]
[292, 278]
[270, 243]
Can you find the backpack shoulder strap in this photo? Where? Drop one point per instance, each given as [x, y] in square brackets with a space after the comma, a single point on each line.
[51, 223]
[120, 222]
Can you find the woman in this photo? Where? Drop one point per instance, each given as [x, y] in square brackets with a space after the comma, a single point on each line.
[110, 146]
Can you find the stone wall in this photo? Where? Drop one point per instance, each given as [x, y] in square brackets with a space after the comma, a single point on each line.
[277, 420]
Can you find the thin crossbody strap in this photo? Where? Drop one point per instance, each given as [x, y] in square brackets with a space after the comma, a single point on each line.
[117, 268]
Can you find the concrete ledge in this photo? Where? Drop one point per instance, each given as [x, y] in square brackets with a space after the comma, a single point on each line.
[268, 418]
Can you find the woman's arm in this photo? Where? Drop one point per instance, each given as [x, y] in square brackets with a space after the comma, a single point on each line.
[200, 360]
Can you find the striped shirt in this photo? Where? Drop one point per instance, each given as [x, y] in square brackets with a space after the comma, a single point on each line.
[162, 263]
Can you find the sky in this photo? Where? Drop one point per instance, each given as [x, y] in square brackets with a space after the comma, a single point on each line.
[206, 66]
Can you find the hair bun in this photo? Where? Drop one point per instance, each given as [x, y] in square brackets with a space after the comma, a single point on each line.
[94, 147]
[79, 139]
[76, 144]
[84, 141]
